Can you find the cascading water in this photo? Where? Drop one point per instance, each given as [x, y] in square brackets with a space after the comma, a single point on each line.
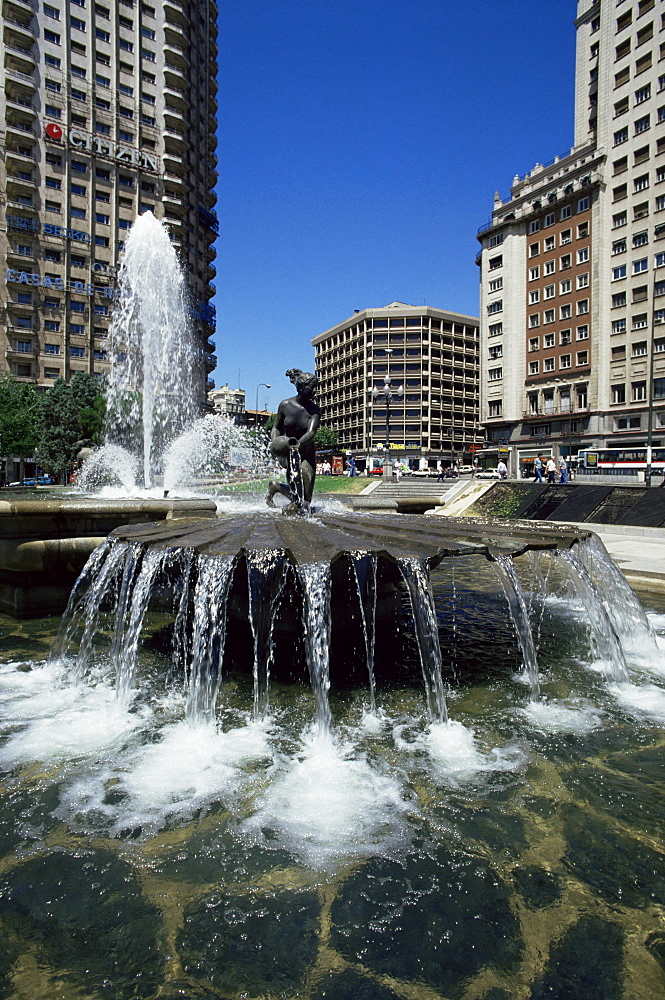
[519, 611]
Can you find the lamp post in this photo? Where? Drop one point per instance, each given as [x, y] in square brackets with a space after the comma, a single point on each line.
[267, 386]
[388, 395]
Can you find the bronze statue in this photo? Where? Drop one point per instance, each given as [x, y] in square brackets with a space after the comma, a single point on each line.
[292, 443]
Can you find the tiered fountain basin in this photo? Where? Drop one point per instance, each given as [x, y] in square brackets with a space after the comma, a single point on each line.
[44, 544]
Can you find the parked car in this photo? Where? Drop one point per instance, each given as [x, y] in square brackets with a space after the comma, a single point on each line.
[488, 474]
[44, 481]
[465, 468]
[377, 471]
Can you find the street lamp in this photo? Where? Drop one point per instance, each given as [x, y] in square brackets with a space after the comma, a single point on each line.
[267, 386]
[388, 395]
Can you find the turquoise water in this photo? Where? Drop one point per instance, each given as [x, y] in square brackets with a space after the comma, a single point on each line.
[516, 852]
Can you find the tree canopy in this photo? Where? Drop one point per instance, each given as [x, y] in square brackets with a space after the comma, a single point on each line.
[68, 414]
[19, 407]
[325, 438]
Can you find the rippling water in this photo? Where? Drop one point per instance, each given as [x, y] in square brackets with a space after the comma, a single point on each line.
[516, 851]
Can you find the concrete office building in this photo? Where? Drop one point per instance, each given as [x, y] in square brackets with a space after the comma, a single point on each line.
[108, 111]
[573, 261]
[432, 353]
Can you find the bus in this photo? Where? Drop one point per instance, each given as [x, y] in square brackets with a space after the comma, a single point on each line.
[620, 461]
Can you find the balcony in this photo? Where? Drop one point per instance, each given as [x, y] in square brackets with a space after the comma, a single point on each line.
[22, 55]
[174, 163]
[175, 77]
[20, 129]
[24, 78]
[22, 31]
[177, 98]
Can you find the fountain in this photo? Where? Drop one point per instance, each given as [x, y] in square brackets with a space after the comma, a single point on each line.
[302, 753]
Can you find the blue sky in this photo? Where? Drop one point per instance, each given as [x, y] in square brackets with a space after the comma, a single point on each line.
[360, 146]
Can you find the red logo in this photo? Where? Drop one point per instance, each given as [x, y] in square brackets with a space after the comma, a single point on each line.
[53, 131]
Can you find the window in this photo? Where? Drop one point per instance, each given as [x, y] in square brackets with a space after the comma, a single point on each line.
[548, 316]
[549, 364]
[583, 332]
[659, 393]
[565, 212]
[534, 343]
[640, 239]
[583, 280]
[53, 206]
[659, 346]
[534, 320]
[619, 220]
[642, 124]
[77, 23]
[641, 183]
[548, 340]
[534, 367]
[102, 129]
[618, 394]
[565, 286]
[150, 99]
[582, 307]
[618, 272]
[78, 71]
[78, 95]
[639, 392]
[565, 236]
[639, 266]
[583, 255]
[534, 226]
[565, 262]
[53, 61]
[641, 155]
[643, 94]
[565, 311]
[495, 407]
[534, 297]
[126, 90]
[549, 220]
[495, 352]
[495, 329]
[53, 255]
[494, 374]
[549, 267]
[619, 326]
[621, 136]
[148, 33]
[564, 337]
[660, 203]
[102, 196]
[582, 230]
[659, 260]
[79, 189]
[549, 243]
[549, 291]
[620, 192]
[583, 204]
[125, 136]
[641, 211]
[565, 361]
[52, 182]
[52, 85]
[77, 307]
[582, 358]
[125, 45]
[147, 54]
[104, 220]
[495, 307]
[621, 107]
[618, 300]
[534, 249]
[619, 353]
[639, 349]
[77, 213]
[51, 12]
[77, 352]
[104, 36]
[102, 81]
[534, 273]
[51, 36]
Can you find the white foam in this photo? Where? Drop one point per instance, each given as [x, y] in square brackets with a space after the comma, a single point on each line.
[642, 699]
[329, 803]
[455, 753]
[558, 717]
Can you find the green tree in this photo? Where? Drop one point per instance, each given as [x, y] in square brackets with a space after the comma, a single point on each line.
[325, 438]
[59, 431]
[91, 406]
[19, 406]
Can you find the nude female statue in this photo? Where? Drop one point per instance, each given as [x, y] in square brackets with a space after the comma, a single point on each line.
[292, 442]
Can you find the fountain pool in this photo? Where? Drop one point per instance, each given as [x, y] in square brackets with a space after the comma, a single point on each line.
[515, 851]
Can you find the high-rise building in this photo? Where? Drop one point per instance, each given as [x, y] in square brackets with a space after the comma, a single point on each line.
[108, 111]
[432, 353]
[573, 261]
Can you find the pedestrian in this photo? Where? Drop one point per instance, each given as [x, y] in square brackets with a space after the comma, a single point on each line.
[538, 469]
[441, 473]
[398, 470]
[502, 469]
[352, 466]
[550, 469]
[563, 470]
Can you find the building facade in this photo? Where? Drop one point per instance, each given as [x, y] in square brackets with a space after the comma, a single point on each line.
[432, 353]
[572, 264]
[108, 111]
[228, 403]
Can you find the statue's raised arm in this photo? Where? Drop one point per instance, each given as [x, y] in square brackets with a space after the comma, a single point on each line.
[292, 442]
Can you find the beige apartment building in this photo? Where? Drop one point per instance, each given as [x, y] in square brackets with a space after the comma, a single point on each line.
[431, 353]
[572, 262]
[228, 402]
[108, 111]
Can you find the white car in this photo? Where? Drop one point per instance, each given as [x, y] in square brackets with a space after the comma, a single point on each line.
[488, 474]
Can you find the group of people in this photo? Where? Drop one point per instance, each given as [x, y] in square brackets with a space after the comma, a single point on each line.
[549, 467]
[323, 468]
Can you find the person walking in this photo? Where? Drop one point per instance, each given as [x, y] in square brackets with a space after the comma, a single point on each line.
[550, 469]
[352, 466]
[538, 469]
[502, 469]
[563, 470]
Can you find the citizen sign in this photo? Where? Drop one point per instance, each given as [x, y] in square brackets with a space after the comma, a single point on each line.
[99, 145]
